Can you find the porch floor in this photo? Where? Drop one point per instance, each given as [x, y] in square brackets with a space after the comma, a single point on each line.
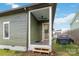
[44, 42]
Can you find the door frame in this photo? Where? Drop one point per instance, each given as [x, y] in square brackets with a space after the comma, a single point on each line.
[43, 34]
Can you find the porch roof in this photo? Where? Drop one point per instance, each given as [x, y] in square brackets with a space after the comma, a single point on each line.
[26, 8]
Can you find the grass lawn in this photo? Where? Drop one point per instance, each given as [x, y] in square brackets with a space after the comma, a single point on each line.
[66, 50]
[10, 53]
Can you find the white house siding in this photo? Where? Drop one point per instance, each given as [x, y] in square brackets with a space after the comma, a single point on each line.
[75, 29]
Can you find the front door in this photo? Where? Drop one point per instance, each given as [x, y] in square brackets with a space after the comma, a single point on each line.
[45, 31]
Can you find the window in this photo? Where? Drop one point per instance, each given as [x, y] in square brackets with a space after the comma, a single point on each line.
[6, 30]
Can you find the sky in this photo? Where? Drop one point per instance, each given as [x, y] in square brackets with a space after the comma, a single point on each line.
[65, 12]
[8, 6]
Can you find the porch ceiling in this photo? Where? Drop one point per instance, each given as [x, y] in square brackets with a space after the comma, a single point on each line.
[42, 14]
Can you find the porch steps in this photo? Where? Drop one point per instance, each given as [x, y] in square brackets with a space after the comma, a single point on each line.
[41, 50]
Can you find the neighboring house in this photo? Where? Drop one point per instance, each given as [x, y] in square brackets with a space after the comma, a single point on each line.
[57, 33]
[75, 28]
[27, 28]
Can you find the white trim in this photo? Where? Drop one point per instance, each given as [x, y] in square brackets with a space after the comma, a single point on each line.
[39, 9]
[29, 31]
[39, 46]
[50, 28]
[17, 48]
[43, 30]
[7, 22]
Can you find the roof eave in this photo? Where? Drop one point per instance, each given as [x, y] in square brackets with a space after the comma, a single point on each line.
[21, 9]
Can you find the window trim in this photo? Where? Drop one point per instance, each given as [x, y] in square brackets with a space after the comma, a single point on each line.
[7, 22]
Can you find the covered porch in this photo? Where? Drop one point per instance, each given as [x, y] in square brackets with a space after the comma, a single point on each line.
[40, 28]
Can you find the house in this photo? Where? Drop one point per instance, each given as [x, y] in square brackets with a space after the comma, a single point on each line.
[27, 28]
[57, 33]
[74, 26]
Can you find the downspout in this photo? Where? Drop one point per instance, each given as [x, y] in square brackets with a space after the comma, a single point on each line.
[53, 14]
[27, 29]
[53, 17]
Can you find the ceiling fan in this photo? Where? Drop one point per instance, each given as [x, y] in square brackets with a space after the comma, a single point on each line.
[43, 18]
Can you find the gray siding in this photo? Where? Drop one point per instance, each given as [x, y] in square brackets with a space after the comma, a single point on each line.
[18, 29]
[36, 33]
[36, 29]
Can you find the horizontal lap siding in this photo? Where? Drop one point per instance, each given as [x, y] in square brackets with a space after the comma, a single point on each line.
[18, 30]
[35, 31]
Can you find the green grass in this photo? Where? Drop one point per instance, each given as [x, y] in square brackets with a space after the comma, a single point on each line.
[69, 49]
[9, 53]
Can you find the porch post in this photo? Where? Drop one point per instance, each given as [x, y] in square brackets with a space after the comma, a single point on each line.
[50, 29]
[29, 26]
